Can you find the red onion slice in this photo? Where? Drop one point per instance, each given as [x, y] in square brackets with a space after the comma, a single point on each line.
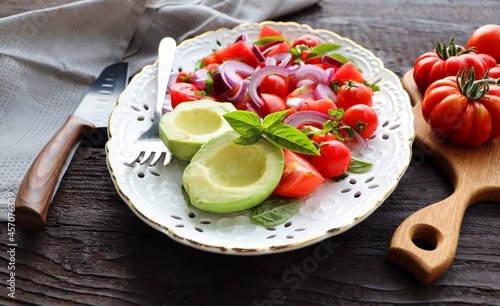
[312, 72]
[330, 61]
[323, 91]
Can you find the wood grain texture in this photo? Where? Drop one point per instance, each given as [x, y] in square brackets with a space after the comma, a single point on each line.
[95, 251]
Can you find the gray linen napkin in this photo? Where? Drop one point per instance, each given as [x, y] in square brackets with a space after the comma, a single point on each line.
[49, 58]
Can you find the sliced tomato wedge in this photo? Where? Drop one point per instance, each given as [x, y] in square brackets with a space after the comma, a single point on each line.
[322, 106]
[299, 178]
[269, 32]
[273, 103]
[346, 73]
[237, 51]
[184, 92]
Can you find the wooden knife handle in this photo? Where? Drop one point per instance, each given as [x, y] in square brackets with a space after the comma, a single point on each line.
[425, 243]
[36, 190]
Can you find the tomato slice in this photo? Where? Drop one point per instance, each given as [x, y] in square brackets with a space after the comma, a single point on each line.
[274, 84]
[237, 51]
[273, 103]
[347, 72]
[305, 92]
[322, 106]
[184, 92]
[299, 177]
[269, 32]
[281, 48]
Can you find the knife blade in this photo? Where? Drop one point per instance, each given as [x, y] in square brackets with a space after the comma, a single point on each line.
[42, 178]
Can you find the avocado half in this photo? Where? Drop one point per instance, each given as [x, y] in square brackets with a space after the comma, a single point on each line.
[191, 124]
[226, 177]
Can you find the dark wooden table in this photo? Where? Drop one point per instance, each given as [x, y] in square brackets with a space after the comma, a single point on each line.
[94, 250]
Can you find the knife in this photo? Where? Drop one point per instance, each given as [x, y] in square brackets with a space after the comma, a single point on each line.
[42, 179]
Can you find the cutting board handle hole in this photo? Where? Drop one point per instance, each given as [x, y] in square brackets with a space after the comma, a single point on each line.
[425, 236]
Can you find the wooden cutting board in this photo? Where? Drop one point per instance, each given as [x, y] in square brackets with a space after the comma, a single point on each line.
[426, 242]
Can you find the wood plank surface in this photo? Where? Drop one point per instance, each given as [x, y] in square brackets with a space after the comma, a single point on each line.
[95, 251]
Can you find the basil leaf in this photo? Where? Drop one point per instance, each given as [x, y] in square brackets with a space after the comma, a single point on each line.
[288, 137]
[274, 118]
[265, 40]
[242, 121]
[251, 137]
[275, 210]
[359, 166]
[323, 49]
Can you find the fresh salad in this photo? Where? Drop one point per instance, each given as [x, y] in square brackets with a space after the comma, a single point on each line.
[304, 84]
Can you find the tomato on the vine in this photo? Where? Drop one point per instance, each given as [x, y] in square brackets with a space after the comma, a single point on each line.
[486, 39]
[494, 72]
[362, 119]
[299, 177]
[461, 114]
[334, 159]
[353, 93]
[445, 60]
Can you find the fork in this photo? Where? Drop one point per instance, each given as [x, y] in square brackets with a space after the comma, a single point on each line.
[149, 146]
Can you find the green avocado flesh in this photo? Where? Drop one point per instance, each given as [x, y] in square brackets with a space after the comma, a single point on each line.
[191, 124]
[227, 177]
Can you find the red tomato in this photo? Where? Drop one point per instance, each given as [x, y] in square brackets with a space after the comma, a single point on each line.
[363, 119]
[494, 72]
[299, 177]
[269, 32]
[435, 65]
[488, 60]
[272, 103]
[354, 93]
[486, 39]
[346, 73]
[462, 119]
[211, 59]
[323, 138]
[238, 51]
[334, 160]
[321, 106]
[307, 40]
[183, 92]
[274, 84]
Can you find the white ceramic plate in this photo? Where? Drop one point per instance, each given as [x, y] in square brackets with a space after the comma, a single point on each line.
[154, 193]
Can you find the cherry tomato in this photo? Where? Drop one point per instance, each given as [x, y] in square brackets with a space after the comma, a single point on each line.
[486, 39]
[321, 106]
[437, 64]
[346, 73]
[299, 177]
[184, 92]
[461, 118]
[334, 160]
[272, 103]
[307, 40]
[323, 138]
[274, 84]
[354, 93]
[363, 119]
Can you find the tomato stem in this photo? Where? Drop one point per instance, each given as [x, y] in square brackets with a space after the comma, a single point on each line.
[445, 51]
[470, 87]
